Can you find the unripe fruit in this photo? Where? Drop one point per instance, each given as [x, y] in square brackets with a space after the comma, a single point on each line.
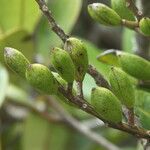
[78, 53]
[144, 25]
[104, 15]
[122, 87]
[60, 80]
[63, 63]
[135, 65]
[41, 78]
[16, 61]
[65, 85]
[106, 104]
[120, 7]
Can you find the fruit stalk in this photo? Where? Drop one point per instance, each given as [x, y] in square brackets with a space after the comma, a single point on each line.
[131, 116]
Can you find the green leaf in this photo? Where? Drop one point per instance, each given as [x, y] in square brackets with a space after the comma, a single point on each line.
[18, 39]
[88, 82]
[17, 94]
[128, 40]
[120, 7]
[3, 83]
[59, 136]
[145, 119]
[143, 108]
[93, 52]
[18, 13]
[66, 13]
[109, 57]
[35, 133]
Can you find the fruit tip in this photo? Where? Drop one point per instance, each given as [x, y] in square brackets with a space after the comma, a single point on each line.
[8, 51]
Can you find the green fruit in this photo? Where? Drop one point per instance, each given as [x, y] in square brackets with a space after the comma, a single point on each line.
[106, 104]
[104, 15]
[63, 63]
[135, 65]
[120, 7]
[78, 53]
[41, 78]
[60, 80]
[122, 87]
[144, 25]
[16, 61]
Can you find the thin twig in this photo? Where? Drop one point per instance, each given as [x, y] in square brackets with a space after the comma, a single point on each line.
[70, 87]
[81, 128]
[53, 118]
[130, 24]
[55, 27]
[79, 102]
[131, 116]
[142, 45]
[131, 5]
[85, 106]
[80, 89]
[99, 79]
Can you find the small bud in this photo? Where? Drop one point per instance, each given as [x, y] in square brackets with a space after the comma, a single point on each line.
[135, 66]
[104, 15]
[63, 63]
[145, 26]
[121, 8]
[41, 78]
[16, 61]
[106, 104]
[122, 87]
[78, 53]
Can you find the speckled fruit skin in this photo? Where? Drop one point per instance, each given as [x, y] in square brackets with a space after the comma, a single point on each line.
[106, 104]
[144, 25]
[63, 63]
[104, 15]
[120, 7]
[135, 66]
[41, 78]
[78, 53]
[16, 61]
[122, 87]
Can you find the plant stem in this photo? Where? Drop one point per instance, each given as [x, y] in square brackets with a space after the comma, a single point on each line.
[55, 27]
[131, 116]
[80, 89]
[99, 79]
[80, 127]
[79, 102]
[69, 88]
[130, 24]
[49, 117]
[85, 106]
[131, 5]
[142, 42]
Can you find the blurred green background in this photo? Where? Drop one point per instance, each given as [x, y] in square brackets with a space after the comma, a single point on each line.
[22, 26]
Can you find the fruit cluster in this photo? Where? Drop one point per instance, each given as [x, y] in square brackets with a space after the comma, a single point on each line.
[71, 64]
[118, 15]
